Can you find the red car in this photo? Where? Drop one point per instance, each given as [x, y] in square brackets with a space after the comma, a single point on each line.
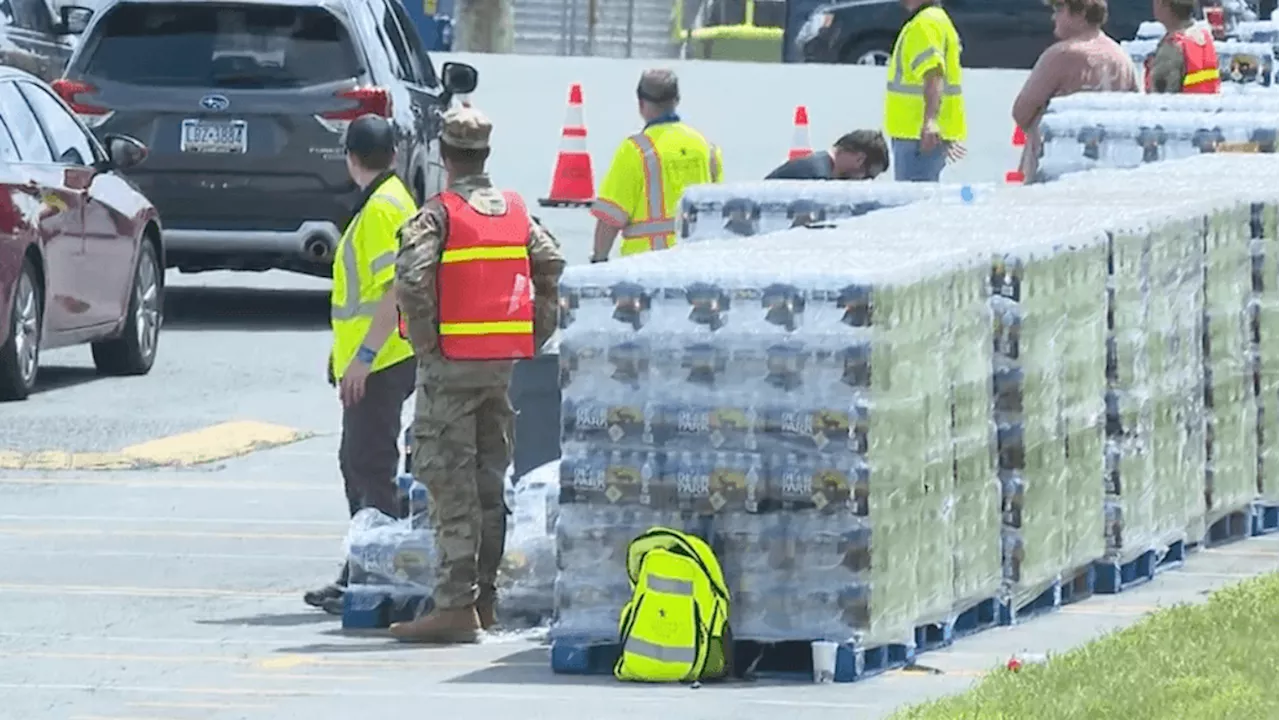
[81, 259]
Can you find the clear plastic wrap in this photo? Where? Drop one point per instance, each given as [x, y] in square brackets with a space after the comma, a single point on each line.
[1239, 62]
[1266, 330]
[766, 379]
[395, 556]
[829, 405]
[527, 575]
[1123, 130]
[736, 210]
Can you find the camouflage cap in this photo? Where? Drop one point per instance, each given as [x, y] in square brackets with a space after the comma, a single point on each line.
[466, 128]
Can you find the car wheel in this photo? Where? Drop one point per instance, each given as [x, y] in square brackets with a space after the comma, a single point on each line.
[134, 352]
[874, 51]
[20, 353]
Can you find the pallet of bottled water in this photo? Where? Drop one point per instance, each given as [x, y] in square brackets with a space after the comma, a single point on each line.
[526, 577]
[392, 565]
[1129, 131]
[1265, 328]
[792, 403]
[736, 210]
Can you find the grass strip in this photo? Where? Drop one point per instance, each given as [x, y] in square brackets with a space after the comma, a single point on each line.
[1217, 660]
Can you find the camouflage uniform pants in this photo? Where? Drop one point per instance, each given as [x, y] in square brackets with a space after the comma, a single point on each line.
[461, 449]
[484, 26]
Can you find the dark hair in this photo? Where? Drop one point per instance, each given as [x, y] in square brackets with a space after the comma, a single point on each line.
[464, 158]
[870, 143]
[1094, 11]
[371, 141]
[1182, 9]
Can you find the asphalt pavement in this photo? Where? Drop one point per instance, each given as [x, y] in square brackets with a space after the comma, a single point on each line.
[156, 534]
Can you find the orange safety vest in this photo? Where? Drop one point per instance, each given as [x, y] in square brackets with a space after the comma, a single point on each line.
[484, 289]
[1201, 60]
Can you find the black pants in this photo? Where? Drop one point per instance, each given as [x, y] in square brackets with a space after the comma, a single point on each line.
[368, 454]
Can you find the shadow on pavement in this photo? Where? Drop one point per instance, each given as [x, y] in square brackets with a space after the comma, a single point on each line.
[54, 377]
[245, 309]
[287, 620]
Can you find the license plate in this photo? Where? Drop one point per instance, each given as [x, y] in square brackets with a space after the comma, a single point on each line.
[204, 136]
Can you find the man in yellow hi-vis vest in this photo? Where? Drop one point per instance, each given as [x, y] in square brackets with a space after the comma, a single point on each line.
[640, 195]
[370, 363]
[923, 106]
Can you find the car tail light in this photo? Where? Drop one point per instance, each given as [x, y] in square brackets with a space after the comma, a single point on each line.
[71, 90]
[368, 101]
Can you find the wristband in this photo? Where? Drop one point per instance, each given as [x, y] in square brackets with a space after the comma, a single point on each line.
[365, 355]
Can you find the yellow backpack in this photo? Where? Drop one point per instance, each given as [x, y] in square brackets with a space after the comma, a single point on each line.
[676, 626]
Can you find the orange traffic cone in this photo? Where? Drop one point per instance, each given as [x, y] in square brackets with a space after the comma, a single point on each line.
[800, 145]
[1016, 177]
[572, 182]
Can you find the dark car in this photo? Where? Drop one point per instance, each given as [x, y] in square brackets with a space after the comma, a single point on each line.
[244, 105]
[81, 259]
[996, 33]
[32, 39]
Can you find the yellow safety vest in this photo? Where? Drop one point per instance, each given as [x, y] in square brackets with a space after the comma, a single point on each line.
[641, 192]
[363, 269]
[928, 41]
[676, 627]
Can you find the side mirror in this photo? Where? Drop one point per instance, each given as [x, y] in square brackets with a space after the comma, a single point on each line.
[125, 152]
[459, 78]
[73, 19]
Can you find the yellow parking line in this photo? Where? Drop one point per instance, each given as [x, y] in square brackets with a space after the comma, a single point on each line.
[216, 442]
[229, 439]
[165, 484]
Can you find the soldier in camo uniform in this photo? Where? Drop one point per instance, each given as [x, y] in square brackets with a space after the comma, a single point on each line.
[462, 428]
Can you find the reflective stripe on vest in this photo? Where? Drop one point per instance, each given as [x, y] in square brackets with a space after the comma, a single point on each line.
[483, 283]
[659, 653]
[656, 230]
[351, 306]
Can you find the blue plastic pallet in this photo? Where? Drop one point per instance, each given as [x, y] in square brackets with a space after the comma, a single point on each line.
[793, 660]
[580, 656]
[981, 616]
[1111, 577]
[370, 609]
[1266, 518]
[1055, 596]
[786, 660]
[1235, 525]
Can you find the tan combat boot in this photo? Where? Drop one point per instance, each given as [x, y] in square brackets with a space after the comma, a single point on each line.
[485, 612]
[441, 627]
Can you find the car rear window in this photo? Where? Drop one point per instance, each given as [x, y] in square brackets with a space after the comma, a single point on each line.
[221, 45]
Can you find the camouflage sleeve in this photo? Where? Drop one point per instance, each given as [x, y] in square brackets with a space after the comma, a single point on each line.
[1167, 69]
[546, 264]
[416, 260]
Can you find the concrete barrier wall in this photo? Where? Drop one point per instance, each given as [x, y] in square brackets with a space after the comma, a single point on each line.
[746, 108]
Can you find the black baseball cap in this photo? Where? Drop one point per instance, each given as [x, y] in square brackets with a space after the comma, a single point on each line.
[370, 136]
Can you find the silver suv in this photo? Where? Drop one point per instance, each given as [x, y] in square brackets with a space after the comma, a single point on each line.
[244, 104]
